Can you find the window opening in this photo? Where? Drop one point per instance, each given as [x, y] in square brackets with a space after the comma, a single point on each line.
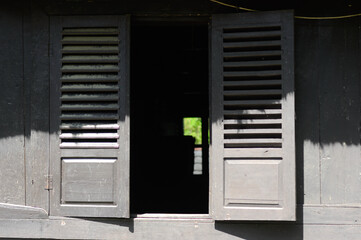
[169, 82]
[194, 126]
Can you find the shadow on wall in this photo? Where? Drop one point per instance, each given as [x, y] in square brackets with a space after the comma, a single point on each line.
[327, 82]
[261, 230]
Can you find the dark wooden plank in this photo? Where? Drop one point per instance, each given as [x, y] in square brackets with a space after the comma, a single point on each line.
[37, 73]
[340, 114]
[307, 59]
[12, 125]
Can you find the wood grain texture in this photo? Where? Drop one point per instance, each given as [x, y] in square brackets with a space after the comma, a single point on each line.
[319, 223]
[267, 192]
[36, 53]
[12, 106]
[11, 211]
[308, 113]
[84, 185]
[339, 114]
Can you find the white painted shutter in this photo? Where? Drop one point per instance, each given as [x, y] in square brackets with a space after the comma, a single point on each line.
[90, 116]
[253, 130]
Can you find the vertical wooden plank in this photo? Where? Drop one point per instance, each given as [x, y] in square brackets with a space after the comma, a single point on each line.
[11, 106]
[37, 73]
[124, 101]
[216, 103]
[340, 113]
[307, 112]
[351, 109]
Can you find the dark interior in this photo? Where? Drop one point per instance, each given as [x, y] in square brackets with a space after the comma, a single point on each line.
[169, 81]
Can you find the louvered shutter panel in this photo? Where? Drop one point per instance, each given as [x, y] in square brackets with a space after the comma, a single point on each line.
[90, 116]
[253, 131]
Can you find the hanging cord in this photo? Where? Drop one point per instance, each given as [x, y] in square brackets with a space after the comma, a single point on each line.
[300, 17]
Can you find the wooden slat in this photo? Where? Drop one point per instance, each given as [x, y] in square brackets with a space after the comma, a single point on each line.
[80, 126]
[253, 63]
[91, 107]
[90, 59]
[251, 121]
[88, 145]
[89, 136]
[105, 40]
[252, 112]
[90, 49]
[246, 35]
[252, 140]
[271, 73]
[252, 54]
[89, 88]
[253, 152]
[252, 131]
[252, 83]
[89, 97]
[264, 26]
[259, 44]
[251, 102]
[89, 78]
[90, 31]
[89, 116]
[90, 68]
[252, 92]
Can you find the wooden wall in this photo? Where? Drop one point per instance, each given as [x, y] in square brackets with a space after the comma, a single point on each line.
[327, 128]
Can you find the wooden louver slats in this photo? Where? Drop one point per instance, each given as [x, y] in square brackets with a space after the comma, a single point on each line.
[89, 88]
[252, 92]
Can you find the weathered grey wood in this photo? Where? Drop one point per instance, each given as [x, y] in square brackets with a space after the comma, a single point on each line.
[89, 126]
[340, 111]
[261, 181]
[37, 73]
[307, 59]
[245, 188]
[271, 73]
[247, 35]
[253, 64]
[253, 153]
[11, 211]
[230, 55]
[253, 92]
[259, 44]
[253, 112]
[84, 186]
[12, 125]
[89, 78]
[88, 135]
[88, 180]
[253, 83]
[320, 223]
[92, 97]
[252, 121]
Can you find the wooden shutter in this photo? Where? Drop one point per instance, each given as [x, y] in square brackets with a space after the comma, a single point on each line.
[253, 131]
[89, 116]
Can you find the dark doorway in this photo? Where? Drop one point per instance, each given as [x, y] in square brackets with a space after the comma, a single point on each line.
[169, 82]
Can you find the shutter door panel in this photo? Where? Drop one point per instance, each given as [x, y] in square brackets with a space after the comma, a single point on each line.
[253, 142]
[89, 116]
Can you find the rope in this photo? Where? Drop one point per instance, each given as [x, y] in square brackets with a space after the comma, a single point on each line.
[300, 17]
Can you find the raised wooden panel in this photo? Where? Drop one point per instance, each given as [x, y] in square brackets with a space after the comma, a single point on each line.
[88, 180]
[252, 182]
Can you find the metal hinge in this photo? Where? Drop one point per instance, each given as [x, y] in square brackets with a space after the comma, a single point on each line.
[48, 182]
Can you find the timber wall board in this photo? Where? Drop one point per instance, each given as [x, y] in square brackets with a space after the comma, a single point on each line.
[327, 68]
